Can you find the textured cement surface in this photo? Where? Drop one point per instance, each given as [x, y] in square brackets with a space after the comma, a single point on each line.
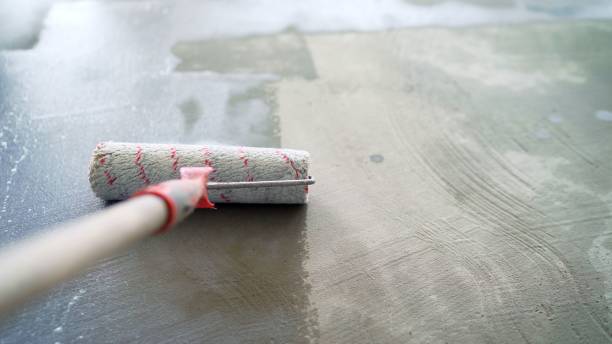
[464, 178]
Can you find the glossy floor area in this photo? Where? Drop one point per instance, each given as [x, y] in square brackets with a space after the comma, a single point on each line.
[461, 150]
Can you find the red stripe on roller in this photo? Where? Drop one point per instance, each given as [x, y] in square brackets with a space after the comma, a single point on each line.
[141, 170]
[245, 164]
[288, 160]
[175, 159]
[208, 160]
[109, 178]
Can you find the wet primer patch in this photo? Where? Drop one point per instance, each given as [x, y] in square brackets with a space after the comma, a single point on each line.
[191, 111]
[21, 23]
[285, 55]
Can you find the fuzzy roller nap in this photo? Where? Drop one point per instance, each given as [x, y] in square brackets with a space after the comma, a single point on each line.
[119, 169]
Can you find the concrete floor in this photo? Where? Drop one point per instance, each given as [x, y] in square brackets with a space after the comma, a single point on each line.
[462, 152]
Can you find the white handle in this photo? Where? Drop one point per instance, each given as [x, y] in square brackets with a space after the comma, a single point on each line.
[30, 267]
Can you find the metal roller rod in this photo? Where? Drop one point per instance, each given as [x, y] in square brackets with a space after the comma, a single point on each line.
[259, 184]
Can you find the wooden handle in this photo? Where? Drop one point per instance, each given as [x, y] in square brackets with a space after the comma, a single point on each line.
[35, 265]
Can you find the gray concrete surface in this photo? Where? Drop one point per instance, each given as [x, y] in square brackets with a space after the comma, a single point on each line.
[462, 152]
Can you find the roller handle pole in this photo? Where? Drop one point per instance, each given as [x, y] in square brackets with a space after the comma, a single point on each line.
[32, 266]
[38, 263]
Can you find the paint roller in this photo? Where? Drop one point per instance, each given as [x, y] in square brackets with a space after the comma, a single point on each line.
[160, 185]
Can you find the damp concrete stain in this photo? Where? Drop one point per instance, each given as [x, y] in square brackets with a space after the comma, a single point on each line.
[191, 111]
[21, 23]
[377, 158]
[283, 54]
[251, 112]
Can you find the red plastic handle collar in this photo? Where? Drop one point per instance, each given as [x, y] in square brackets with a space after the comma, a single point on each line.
[183, 195]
